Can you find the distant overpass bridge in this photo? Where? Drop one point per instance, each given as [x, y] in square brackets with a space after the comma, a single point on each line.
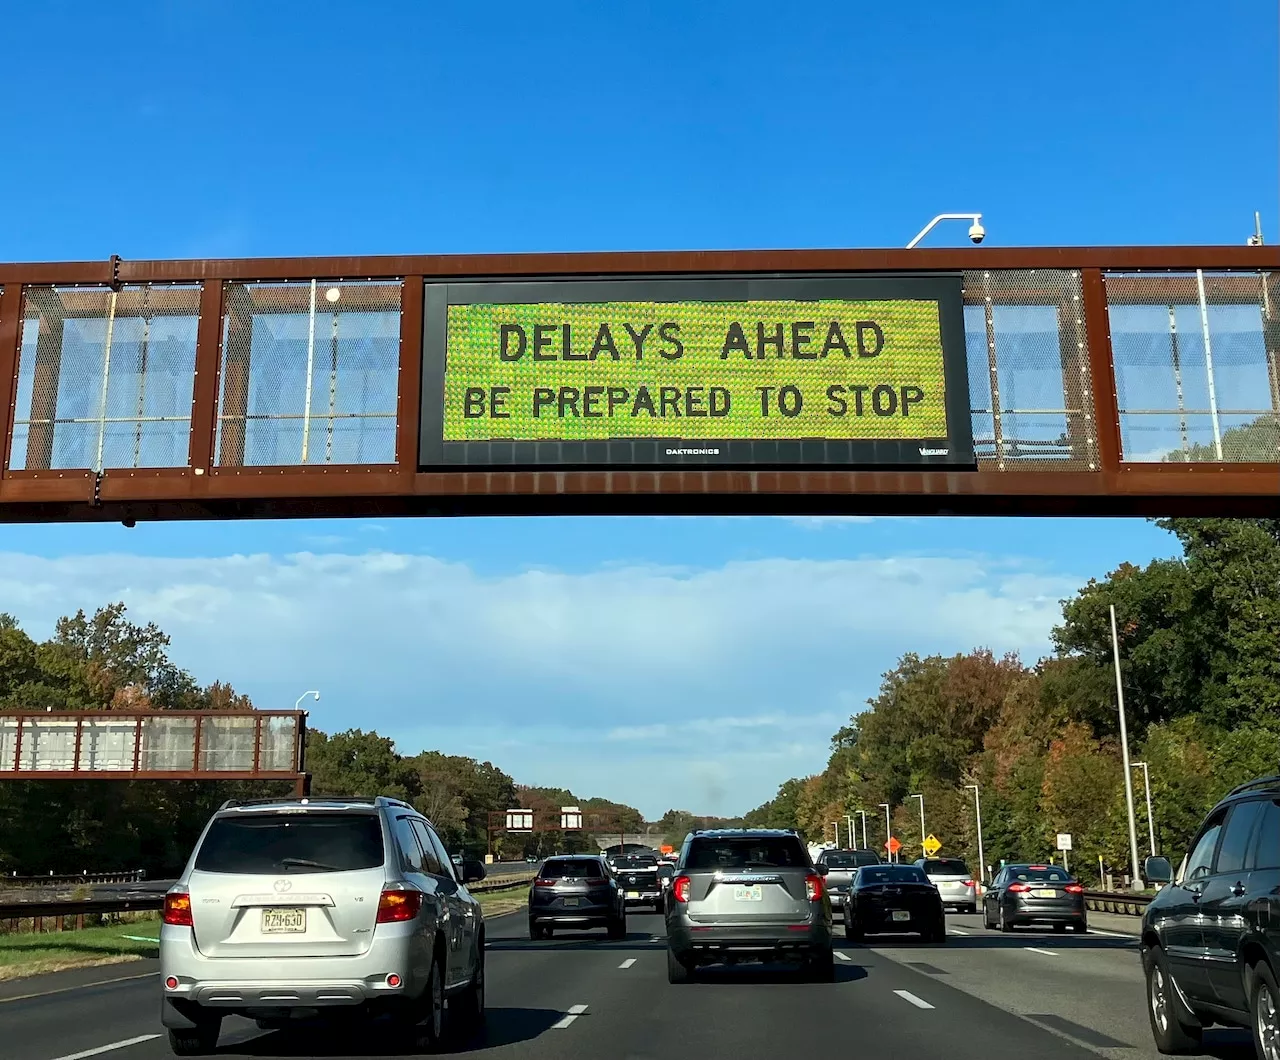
[653, 839]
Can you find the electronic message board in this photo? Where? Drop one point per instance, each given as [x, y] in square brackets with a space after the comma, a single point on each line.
[858, 371]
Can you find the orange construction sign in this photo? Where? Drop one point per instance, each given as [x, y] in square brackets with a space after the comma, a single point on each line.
[893, 846]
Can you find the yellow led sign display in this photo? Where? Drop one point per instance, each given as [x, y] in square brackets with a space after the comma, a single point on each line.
[833, 369]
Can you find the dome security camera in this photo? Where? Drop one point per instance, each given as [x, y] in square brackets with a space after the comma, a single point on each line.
[977, 233]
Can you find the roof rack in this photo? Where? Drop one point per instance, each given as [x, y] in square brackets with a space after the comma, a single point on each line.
[1260, 782]
[353, 800]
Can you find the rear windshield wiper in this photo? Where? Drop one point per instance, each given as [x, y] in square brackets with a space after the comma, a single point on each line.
[307, 863]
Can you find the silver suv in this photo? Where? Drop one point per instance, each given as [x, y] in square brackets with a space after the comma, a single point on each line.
[747, 894]
[292, 906]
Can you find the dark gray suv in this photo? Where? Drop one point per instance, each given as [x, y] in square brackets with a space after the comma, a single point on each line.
[743, 895]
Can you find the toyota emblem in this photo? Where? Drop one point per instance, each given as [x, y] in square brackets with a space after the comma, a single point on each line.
[280, 886]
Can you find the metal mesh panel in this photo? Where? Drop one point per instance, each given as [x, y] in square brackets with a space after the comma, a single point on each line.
[279, 743]
[1029, 385]
[105, 377]
[1197, 363]
[48, 744]
[309, 373]
[227, 744]
[168, 744]
[108, 745]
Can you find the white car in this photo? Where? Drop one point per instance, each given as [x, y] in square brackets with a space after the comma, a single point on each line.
[956, 884]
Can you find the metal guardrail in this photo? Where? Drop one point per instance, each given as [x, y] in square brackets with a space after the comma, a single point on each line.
[11, 911]
[1117, 902]
[131, 876]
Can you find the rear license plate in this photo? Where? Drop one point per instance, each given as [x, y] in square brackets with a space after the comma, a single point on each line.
[901, 914]
[283, 921]
[570, 901]
[633, 894]
[749, 893]
[1045, 893]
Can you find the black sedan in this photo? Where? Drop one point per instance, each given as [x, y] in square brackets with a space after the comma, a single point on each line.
[575, 891]
[894, 898]
[1034, 894]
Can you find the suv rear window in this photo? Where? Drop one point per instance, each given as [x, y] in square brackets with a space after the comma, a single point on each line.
[945, 867]
[743, 852]
[271, 844]
[583, 869]
[848, 859]
[634, 861]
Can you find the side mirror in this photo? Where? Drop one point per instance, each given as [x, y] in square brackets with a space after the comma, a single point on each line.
[473, 871]
[1157, 870]
[822, 868]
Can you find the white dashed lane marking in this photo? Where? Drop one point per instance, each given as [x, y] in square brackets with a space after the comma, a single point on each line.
[627, 963]
[843, 956]
[907, 995]
[1034, 949]
[574, 1012]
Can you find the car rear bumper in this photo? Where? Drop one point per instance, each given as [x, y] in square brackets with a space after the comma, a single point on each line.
[878, 921]
[643, 897]
[708, 940]
[1047, 912]
[270, 984]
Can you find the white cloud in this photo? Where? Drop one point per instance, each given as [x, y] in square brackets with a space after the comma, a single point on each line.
[822, 522]
[661, 686]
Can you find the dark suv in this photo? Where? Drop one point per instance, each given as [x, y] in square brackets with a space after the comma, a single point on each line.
[1211, 936]
[747, 894]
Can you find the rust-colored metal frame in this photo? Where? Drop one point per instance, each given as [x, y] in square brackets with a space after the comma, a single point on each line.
[203, 491]
[295, 774]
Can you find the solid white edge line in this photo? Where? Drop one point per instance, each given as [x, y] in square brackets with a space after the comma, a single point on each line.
[82, 986]
[567, 1021]
[843, 956]
[1112, 934]
[1036, 949]
[627, 963]
[956, 931]
[907, 995]
[108, 1048]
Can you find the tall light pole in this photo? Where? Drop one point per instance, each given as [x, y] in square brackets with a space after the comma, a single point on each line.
[848, 822]
[888, 829]
[922, 831]
[1151, 821]
[298, 703]
[1135, 878]
[836, 823]
[977, 808]
[863, 815]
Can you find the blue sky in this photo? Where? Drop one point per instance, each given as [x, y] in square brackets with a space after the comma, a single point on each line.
[662, 661]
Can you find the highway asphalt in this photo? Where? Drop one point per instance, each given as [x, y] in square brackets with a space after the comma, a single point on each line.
[982, 996]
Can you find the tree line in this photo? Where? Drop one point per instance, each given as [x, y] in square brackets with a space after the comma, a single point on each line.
[105, 661]
[1199, 644]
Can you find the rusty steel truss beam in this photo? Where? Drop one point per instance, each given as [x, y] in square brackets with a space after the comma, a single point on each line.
[215, 483]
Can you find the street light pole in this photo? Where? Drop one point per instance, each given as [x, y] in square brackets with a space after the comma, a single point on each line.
[1151, 821]
[848, 822]
[922, 831]
[836, 824]
[1136, 878]
[888, 830]
[863, 815]
[977, 807]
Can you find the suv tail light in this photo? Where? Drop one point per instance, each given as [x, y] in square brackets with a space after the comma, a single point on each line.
[680, 888]
[1018, 888]
[815, 885]
[1074, 888]
[544, 882]
[177, 910]
[398, 904]
[969, 883]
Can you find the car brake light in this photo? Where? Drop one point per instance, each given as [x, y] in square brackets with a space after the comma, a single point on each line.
[968, 883]
[1018, 888]
[814, 885]
[1038, 868]
[398, 905]
[544, 883]
[680, 888]
[177, 910]
[1074, 888]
